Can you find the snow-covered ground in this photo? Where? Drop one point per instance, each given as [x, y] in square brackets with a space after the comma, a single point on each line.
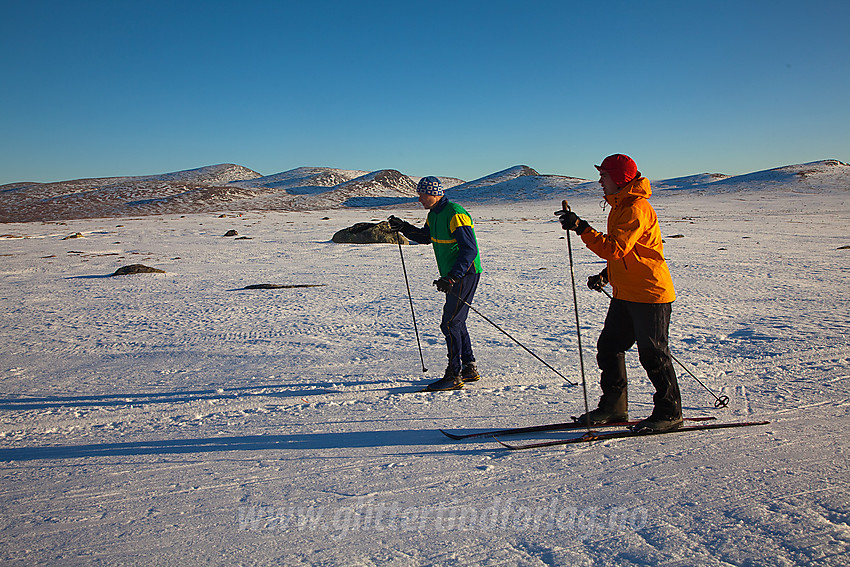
[178, 419]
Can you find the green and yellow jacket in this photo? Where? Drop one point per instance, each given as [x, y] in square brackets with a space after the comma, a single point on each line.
[450, 230]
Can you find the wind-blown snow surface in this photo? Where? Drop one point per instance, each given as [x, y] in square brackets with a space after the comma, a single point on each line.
[178, 419]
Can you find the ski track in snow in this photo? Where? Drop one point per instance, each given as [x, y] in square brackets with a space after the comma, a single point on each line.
[177, 418]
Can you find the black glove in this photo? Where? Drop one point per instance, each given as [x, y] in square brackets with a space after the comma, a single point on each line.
[444, 284]
[396, 224]
[571, 221]
[597, 282]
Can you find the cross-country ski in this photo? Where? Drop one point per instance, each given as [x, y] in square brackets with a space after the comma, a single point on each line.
[596, 436]
[549, 427]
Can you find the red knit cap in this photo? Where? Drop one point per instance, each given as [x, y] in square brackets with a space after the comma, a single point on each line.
[620, 167]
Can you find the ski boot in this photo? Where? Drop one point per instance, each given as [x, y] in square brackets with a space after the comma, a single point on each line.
[450, 381]
[469, 373]
[600, 416]
[612, 409]
[655, 424]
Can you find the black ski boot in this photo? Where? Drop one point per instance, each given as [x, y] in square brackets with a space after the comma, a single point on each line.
[667, 411]
[612, 409]
[600, 416]
[655, 424]
[469, 373]
[450, 381]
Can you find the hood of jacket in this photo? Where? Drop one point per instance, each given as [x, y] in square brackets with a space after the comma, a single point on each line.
[637, 187]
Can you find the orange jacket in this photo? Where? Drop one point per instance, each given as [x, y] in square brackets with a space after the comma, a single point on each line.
[633, 249]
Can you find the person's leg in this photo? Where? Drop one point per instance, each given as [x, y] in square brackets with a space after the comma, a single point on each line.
[652, 323]
[616, 338]
[453, 324]
[465, 289]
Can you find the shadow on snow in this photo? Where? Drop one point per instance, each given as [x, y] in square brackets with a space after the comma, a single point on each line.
[302, 441]
[267, 390]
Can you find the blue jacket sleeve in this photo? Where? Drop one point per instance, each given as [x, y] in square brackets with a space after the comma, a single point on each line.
[467, 251]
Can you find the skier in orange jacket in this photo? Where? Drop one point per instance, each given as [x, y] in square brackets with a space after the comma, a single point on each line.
[642, 300]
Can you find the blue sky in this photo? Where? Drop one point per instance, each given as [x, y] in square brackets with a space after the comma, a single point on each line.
[461, 89]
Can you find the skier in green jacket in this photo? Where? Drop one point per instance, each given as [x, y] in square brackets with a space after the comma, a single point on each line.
[451, 231]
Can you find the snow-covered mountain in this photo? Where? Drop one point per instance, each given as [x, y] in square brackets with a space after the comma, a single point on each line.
[307, 179]
[210, 175]
[200, 189]
[236, 188]
[815, 177]
[516, 183]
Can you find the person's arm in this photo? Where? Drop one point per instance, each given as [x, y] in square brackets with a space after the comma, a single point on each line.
[624, 234]
[420, 235]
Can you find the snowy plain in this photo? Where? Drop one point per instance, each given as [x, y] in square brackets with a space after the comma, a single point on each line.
[179, 419]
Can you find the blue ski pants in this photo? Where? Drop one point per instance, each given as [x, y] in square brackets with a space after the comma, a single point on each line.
[453, 324]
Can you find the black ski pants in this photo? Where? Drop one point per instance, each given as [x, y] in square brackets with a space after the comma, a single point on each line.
[646, 324]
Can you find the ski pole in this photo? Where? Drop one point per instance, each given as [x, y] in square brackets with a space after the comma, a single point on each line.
[570, 382]
[719, 401]
[410, 296]
[566, 207]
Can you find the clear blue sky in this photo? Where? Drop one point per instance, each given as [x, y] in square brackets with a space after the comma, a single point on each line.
[462, 89]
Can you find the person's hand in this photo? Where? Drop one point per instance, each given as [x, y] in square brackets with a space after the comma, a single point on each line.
[571, 221]
[444, 284]
[597, 282]
[396, 224]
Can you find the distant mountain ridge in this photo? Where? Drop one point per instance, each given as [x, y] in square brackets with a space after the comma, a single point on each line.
[231, 187]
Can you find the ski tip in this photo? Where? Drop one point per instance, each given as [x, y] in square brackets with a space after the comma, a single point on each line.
[451, 435]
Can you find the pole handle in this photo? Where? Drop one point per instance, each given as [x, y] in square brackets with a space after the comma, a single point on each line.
[565, 206]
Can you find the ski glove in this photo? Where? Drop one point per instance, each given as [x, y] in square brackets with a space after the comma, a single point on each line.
[396, 224]
[571, 221]
[444, 284]
[597, 282]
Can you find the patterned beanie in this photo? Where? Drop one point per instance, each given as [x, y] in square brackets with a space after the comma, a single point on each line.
[430, 186]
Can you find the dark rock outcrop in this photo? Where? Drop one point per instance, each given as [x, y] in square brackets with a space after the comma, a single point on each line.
[136, 269]
[368, 233]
